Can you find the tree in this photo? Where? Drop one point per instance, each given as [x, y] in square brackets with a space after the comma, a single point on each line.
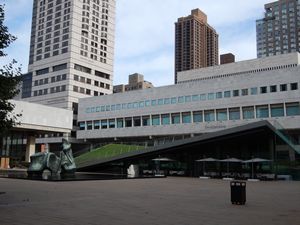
[9, 80]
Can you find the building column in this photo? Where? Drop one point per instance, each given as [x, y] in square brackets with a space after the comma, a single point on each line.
[30, 148]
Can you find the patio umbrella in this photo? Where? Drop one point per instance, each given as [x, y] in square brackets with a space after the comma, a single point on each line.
[230, 160]
[206, 160]
[255, 160]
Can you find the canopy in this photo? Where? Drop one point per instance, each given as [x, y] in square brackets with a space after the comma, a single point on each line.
[233, 160]
[163, 160]
[207, 160]
[256, 160]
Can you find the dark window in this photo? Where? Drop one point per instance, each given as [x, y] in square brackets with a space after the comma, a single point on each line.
[101, 74]
[273, 88]
[294, 86]
[42, 71]
[283, 87]
[59, 67]
[263, 90]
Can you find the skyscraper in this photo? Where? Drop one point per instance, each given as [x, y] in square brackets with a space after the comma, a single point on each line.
[196, 43]
[278, 32]
[71, 51]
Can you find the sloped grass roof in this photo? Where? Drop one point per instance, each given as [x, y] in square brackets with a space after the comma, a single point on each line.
[106, 151]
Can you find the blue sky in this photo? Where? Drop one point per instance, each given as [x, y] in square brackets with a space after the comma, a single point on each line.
[145, 33]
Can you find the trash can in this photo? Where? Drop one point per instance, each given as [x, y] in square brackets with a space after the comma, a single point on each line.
[238, 192]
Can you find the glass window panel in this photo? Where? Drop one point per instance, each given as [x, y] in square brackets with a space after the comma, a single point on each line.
[283, 87]
[137, 121]
[167, 101]
[262, 111]
[141, 104]
[102, 108]
[248, 112]
[165, 119]
[173, 100]
[244, 92]
[96, 124]
[292, 109]
[209, 115]
[195, 98]
[180, 99]
[203, 97]
[135, 105]
[81, 125]
[120, 123]
[147, 103]
[129, 105]
[254, 91]
[103, 124]
[221, 114]
[128, 122]
[146, 120]
[118, 106]
[263, 90]
[112, 123]
[219, 95]
[186, 117]
[153, 102]
[187, 98]
[89, 125]
[155, 120]
[107, 108]
[273, 88]
[124, 106]
[234, 114]
[277, 110]
[211, 96]
[294, 86]
[160, 101]
[98, 109]
[175, 118]
[236, 93]
[227, 94]
[197, 117]
[113, 107]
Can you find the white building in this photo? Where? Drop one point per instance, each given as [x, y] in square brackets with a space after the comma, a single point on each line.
[71, 52]
[35, 119]
[204, 100]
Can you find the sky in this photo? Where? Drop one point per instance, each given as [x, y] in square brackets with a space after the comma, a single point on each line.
[144, 40]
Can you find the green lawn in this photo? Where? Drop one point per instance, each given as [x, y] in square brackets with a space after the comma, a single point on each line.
[106, 151]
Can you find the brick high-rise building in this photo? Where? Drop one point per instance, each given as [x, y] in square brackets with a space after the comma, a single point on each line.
[196, 43]
[279, 31]
[71, 52]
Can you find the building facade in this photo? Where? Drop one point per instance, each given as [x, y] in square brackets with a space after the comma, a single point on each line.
[71, 52]
[227, 58]
[135, 82]
[196, 43]
[278, 32]
[204, 100]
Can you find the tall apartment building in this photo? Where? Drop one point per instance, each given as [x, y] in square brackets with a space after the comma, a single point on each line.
[196, 43]
[71, 52]
[279, 31]
[135, 82]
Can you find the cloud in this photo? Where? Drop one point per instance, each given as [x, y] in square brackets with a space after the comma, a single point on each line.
[145, 32]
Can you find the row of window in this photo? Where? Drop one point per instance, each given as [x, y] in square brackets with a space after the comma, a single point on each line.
[54, 69]
[89, 81]
[241, 73]
[195, 98]
[225, 114]
[52, 90]
[52, 80]
[86, 91]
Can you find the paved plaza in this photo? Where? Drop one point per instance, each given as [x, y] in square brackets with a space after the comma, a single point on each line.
[163, 201]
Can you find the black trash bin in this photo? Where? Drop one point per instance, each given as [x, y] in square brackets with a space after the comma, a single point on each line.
[238, 192]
